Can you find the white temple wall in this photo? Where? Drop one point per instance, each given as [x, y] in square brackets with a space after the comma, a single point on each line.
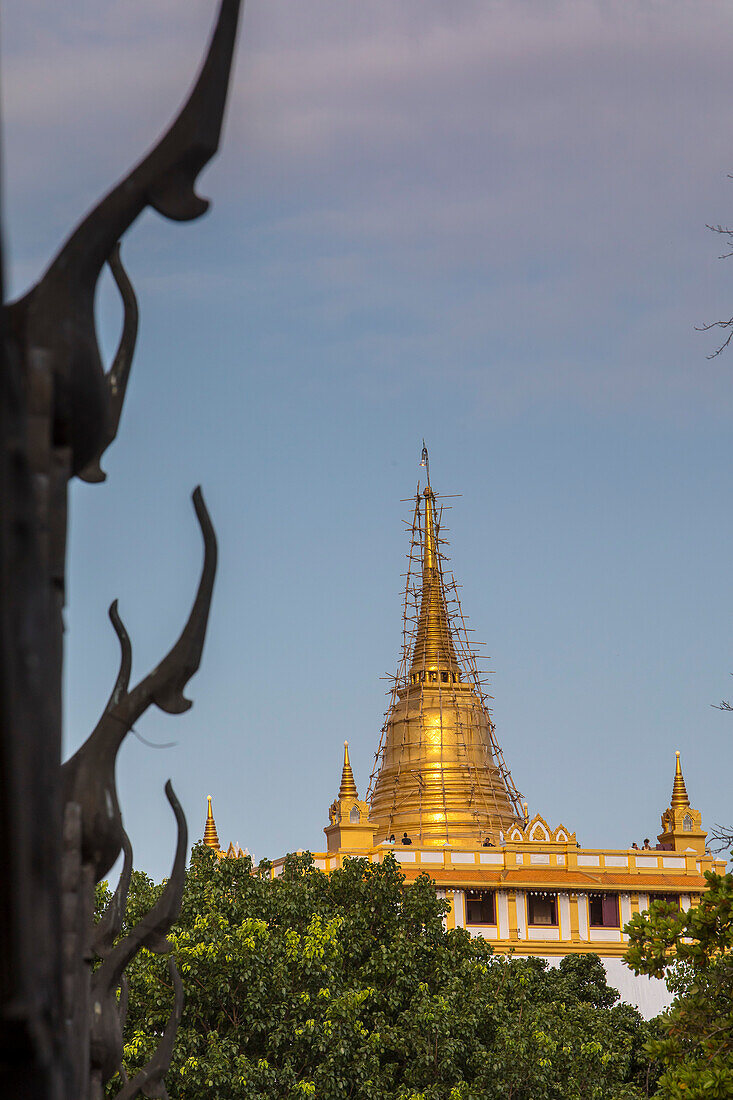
[649, 995]
[502, 914]
[521, 916]
[583, 927]
[459, 907]
[564, 916]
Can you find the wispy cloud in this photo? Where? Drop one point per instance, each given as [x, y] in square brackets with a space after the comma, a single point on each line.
[524, 175]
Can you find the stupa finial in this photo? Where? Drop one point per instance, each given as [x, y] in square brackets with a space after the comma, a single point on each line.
[348, 785]
[425, 461]
[434, 648]
[679, 791]
[211, 838]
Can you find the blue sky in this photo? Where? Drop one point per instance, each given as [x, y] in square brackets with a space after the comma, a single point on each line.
[481, 223]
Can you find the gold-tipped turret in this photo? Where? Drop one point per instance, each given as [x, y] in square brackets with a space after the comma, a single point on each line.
[211, 838]
[349, 828]
[679, 791]
[442, 778]
[348, 786]
[682, 829]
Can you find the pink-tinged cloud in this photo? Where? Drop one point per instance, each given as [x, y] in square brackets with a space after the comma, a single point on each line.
[519, 180]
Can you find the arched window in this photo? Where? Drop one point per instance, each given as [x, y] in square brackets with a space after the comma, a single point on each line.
[354, 816]
[687, 823]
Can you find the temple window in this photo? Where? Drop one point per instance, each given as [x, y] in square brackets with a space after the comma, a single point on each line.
[445, 676]
[480, 907]
[354, 816]
[433, 677]
[670, 899]
[603, 910]
[687, 823]
[542, 908]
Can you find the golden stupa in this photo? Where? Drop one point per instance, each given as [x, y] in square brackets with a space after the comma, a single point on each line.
[441, 778]
[442, 803]
[211, 837]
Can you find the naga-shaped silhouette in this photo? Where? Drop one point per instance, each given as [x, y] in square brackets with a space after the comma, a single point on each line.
[89, 775]
[107, 1012]
[91, 801]
[59, 411]
[54, 320]
[90, 794]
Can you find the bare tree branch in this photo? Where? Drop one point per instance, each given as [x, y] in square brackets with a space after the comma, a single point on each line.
[721, 838]
[726, 232]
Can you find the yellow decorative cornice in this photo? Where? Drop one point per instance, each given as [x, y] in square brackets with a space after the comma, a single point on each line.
[679, 791]
[538, 831]
[348, 786]
[211, 838]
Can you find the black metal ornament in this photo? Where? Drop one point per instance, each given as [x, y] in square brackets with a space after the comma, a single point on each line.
[61, 828]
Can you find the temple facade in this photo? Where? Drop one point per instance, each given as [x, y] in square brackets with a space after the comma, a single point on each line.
[442, 800]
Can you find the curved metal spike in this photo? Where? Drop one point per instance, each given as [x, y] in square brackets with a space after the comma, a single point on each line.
[166, 176]
[149, 1081]
[106, 1029]
[89, 776]
[56, 317]
[122, 682]
[118, 375]
[183, 661]
[109, 925]
[151, 930]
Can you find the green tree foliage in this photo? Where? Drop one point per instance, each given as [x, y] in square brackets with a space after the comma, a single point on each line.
[693, 950]
[348, 986]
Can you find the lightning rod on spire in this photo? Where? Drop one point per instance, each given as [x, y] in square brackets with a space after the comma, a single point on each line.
[425, 461]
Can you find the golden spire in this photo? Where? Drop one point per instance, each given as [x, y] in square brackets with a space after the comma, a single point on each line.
[348, 786]
[679, 791]
[442, 777]
[211, 838]
[434, 647]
